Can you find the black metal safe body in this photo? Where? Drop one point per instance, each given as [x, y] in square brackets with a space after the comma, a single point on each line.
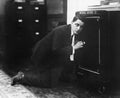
[100, 55]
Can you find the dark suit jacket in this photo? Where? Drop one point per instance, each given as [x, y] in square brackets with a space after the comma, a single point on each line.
[54, 49]
[51, 58]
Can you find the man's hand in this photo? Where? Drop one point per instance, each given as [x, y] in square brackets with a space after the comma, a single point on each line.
[78, 45]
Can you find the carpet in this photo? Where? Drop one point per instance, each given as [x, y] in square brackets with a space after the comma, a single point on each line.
[20, 91]
[24, 91]
[8, 91]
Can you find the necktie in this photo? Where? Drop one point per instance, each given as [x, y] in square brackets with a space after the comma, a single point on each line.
[73, 50]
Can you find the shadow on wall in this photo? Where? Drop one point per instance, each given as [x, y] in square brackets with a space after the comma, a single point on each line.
[2, 39]
[2, 6]
[2, 33]
[2, 13]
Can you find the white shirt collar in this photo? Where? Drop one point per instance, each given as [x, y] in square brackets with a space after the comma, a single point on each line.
[71, 32]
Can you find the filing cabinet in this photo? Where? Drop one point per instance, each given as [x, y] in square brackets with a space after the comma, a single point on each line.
[25, 24]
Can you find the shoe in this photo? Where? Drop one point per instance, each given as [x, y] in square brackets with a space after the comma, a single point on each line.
[17, 78]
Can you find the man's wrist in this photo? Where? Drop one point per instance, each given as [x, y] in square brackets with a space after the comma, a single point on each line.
[74, 48]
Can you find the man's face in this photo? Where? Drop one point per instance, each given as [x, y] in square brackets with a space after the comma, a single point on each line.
[77, 25]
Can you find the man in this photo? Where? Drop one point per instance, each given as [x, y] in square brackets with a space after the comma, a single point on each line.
[57, 50]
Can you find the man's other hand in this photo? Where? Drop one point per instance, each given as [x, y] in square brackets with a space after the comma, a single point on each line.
[78, 45]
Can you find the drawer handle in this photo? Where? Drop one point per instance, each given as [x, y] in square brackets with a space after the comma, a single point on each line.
[20, 7]
[36, 8]
[37, 33]
[20, 20]
[36, 20]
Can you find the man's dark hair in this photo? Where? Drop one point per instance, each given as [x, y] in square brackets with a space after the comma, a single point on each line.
[78, 17]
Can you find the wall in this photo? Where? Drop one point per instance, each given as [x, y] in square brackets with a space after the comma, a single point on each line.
[2, 6]
[55, 6]
[57, 11]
